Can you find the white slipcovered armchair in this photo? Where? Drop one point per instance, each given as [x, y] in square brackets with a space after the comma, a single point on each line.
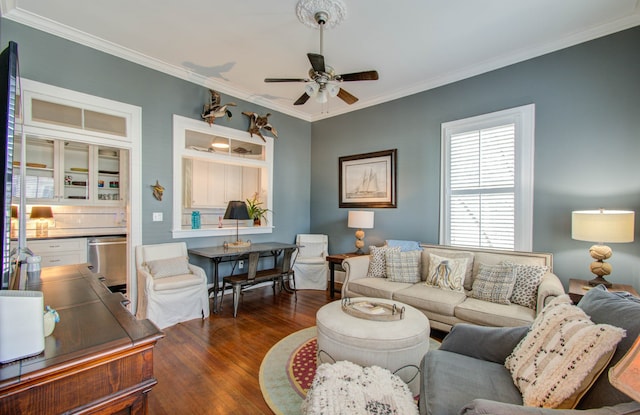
[170, 290]
[310, 265]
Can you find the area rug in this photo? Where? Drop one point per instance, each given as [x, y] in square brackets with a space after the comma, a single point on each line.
[287, 371]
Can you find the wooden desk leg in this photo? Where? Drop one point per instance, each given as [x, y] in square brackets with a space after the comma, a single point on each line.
[332, 279]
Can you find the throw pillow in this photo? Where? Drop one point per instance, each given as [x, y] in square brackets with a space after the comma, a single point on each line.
[378, 261]
[404, 245]
[469, 256]
[528, 277]
[403, 266]
[446, 273]
[161, 268]
[620, 309]
[494, 283]
[564, 351]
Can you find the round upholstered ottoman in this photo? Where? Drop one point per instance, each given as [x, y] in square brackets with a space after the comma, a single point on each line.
[397, 345]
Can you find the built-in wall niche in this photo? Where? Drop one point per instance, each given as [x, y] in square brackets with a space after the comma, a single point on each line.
[218, 164]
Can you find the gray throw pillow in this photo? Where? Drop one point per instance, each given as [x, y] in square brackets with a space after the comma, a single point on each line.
[621, 310]
[494, 283]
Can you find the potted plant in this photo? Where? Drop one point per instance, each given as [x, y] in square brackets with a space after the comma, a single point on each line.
[256, 211]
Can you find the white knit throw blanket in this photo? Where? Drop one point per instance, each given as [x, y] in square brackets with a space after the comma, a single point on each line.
[346, 388]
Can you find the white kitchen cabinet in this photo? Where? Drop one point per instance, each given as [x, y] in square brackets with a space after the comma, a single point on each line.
[215, 184]
[68, 172]
[56, 252]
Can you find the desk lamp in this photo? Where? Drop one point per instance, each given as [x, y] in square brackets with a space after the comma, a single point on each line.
[360, 219]
[43, 214]
[237, 209]
[602, 226]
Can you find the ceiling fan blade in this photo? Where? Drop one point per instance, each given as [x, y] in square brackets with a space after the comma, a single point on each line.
[360, 76]
[303, 98]
[347, 97]
[286, 80]
[317, 62]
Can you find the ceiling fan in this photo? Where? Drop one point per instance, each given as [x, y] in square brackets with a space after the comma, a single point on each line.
[323, 81]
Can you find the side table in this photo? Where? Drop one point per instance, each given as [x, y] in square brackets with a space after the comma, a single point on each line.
[333, 260]
[577, 289]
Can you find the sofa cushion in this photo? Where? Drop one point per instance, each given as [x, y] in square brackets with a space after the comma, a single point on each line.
[403, 266]
[494, 283]
[425, 297]
[528, 278]
[447, 273]
[560, 356]
[493, 344]
[488, 407]
[376, 287]
[378, 261]
[451, 380]
[486, 313]
[444, 253]
[168, 267]
[175, 282]
[621, 310]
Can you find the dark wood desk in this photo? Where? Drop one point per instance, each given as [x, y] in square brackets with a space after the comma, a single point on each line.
[218, 254]
[99, 358]
[578, 288]
[333, 260]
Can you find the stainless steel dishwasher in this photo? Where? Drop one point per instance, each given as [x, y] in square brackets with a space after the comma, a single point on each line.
[107, 256]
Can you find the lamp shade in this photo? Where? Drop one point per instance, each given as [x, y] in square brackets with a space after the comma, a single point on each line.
[14, 211]
[41, 212]
[603, 225]
[236, 209]
[360, 219]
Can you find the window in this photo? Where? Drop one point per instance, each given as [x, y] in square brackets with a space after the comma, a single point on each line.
[487, 180]
[213, 165]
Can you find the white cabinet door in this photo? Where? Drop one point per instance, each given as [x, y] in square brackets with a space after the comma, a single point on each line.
[60, 251]
[233, 183]
[250, 182]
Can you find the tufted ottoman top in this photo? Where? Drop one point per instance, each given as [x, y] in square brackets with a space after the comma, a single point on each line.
[346, 329]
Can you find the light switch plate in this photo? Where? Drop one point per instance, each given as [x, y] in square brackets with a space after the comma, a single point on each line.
[157, 216]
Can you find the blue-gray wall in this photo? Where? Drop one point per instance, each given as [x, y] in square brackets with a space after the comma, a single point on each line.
[65, 64]
[587, 141]
[587, 151]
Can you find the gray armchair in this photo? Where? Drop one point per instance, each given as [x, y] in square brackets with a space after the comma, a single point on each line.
[467, 375]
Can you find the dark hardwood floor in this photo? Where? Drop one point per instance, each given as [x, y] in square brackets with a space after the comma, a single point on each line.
[211, 366]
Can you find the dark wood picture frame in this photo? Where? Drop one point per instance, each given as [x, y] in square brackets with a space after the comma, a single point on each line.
[368, 180]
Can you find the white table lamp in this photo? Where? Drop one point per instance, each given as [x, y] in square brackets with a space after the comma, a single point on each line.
[360, 219]
[602, 226]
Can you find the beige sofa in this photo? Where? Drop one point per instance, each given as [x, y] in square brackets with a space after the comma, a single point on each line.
[446, 308]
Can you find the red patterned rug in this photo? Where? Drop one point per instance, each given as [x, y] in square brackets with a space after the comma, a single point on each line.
[301, 366]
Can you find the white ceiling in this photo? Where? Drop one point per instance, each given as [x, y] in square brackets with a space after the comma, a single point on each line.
[415, 45]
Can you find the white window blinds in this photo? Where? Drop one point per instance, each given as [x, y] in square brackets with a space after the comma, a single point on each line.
[483, 187]
[487, 182]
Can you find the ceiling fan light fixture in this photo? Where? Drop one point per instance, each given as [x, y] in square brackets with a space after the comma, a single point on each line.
[333, 90]
[322, 96]
[311, 89]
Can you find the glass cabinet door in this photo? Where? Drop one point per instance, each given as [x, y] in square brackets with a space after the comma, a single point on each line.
[108, 182]
[40, 169]
[75, 157]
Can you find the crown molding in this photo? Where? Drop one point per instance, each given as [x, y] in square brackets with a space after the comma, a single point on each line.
[9, 10]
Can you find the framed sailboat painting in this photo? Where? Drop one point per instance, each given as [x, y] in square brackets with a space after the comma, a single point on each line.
[368, 180]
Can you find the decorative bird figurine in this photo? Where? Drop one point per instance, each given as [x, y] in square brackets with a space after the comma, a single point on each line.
[259, 122]
[214, 110]
[158, 189]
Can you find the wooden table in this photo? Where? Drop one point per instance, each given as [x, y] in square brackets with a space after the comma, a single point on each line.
[218, 254]
[99, 358]
[333, 260]
[578, 288]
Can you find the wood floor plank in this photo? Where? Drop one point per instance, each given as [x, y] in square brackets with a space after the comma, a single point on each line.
[211, 366]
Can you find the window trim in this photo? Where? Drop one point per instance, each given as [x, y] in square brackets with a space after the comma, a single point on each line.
[524, 119]
[180, 125]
